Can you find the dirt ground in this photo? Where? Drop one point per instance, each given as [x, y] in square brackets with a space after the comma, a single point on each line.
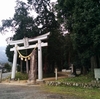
[23, 91]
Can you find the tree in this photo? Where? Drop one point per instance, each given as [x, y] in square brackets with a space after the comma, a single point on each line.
[55, 50]
[22, 24]
[46, 18]
[81, 19]
[9, 53]
[68, 51]
[26, 26]
[7, 67]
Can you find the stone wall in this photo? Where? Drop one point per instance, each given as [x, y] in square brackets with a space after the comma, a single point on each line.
[92, 84]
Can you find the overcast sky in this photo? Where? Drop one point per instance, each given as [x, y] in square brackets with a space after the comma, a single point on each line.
[6, 12]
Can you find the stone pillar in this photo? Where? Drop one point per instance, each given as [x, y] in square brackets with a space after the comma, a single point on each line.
[72, 70]
[33, 68]
[56, 76]
[14, 63]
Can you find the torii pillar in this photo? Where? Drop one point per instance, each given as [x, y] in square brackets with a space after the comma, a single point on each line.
[14, 63]
[40, 74]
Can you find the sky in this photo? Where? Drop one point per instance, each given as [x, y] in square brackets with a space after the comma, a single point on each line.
[6, 12]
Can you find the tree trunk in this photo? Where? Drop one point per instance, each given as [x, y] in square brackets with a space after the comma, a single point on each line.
[21, 66]
[27, 69]
[74, 70]
[93, 63]
[69, 59]
[84, 70]
[99, 61]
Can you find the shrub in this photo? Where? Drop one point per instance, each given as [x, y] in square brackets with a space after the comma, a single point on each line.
[21, 76]
[7, 67]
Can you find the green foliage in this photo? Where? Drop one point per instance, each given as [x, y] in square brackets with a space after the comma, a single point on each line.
[47, 19]
[9, 53]
[18, 68]
[40, 5]
[21, 76]
[82, 20]
[26, 26]
[55, 49]
[8, 67]
[22, 24]
[25, 23]
[68, 50]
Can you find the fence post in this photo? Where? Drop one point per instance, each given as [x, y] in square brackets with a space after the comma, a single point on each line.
[0, 75]
[56, 74]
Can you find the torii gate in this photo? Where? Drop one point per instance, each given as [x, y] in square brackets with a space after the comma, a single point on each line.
[26, 41]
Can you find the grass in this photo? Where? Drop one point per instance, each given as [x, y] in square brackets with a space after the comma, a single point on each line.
[80, 79]
[80, 93]
[18, 75]
[24, 76]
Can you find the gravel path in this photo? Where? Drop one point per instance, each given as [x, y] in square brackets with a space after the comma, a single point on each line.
[27, 92]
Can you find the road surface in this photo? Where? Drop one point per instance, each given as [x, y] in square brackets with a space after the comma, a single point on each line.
[11, 91]
[5, 75]
[28, 92]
